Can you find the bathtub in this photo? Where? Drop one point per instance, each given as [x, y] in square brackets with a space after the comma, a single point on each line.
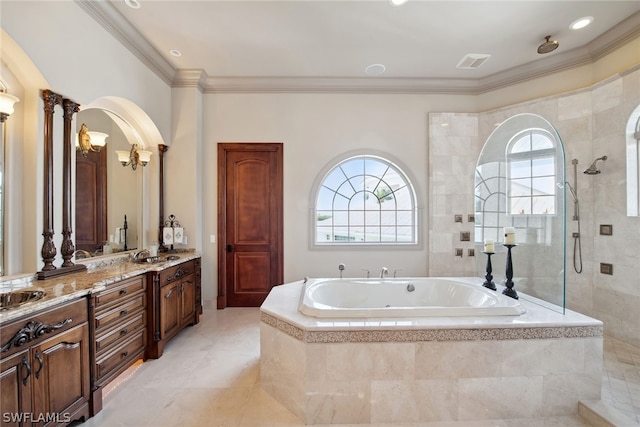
[406, 297]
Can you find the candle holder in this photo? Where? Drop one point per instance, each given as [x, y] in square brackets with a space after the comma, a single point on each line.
[488, 278]
[509, 291]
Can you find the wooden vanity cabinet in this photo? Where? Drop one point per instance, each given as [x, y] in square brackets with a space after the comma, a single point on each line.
[44, 367]
[119, 332]
[176, 300]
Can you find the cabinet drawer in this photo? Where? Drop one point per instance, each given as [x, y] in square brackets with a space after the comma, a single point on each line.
[34, 328]
[122, 332]
[176, 272]
[121, 354]
[119, 291]
[109, 317]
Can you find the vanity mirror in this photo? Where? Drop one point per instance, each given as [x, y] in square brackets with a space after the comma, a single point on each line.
[106, 191]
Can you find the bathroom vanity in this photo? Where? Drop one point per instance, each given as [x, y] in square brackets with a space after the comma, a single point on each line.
[57, 353]
[44, 366]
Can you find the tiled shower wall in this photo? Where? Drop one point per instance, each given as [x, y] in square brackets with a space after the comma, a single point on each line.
[592, 123]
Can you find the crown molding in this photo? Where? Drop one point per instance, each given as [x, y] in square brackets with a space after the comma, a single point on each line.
[337, 85]
[190, 78]
[108, 17]
[111, 20]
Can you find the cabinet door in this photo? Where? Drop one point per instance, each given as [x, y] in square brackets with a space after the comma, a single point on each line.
[61, 372]
[15, 388]
[187, 299]
[169, 305]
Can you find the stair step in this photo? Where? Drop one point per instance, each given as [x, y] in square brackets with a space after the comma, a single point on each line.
[601, 414]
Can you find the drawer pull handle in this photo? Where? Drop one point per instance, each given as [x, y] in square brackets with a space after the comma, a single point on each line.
[123, 312]
[123, 291]
[39, 357]
[169, 293]
[124, 354]
[124, 332]
[178, 274]
[25, 362]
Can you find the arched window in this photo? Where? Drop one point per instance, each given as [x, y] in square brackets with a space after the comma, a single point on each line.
[362, 200]
[633, 163]
[531, 161]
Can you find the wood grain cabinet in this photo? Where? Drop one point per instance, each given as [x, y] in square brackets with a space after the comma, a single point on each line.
[176, 299]
[119, 332]
[44, 367]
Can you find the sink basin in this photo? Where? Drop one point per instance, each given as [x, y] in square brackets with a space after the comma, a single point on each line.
[156, 259]
[17, 298]
[151, 260]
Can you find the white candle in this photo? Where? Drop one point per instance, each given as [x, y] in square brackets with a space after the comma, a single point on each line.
[509, 236]
[488, 246]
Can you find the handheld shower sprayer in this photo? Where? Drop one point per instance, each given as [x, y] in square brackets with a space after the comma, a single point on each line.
[593, 169]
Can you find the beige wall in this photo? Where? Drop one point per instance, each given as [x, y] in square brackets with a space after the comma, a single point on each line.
[83, 61]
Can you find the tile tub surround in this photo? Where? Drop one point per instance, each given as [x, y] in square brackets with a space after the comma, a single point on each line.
[330, 371]
[75, 285]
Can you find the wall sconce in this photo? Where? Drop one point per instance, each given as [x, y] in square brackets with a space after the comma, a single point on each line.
[134, 157]
[90, 140]
[6, 105]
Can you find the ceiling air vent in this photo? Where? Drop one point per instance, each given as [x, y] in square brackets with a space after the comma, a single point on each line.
[473, 60]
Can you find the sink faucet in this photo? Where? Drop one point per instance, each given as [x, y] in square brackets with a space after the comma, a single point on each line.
[384, 272]
[83, 253]
[141, 255]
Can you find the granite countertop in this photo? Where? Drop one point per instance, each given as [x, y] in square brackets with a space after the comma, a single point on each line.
[99, 274]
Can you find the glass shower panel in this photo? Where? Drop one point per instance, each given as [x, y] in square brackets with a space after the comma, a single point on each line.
[519, 182]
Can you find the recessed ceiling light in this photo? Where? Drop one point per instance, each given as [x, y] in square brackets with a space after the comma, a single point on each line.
[581, 23]
[133, 4]
[175, 52]
[375, 69]
[398, 2]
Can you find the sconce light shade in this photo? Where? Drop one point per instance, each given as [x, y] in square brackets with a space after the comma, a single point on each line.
[123, 157]
[6, 104]
[134, 157]
[98, 139]
[87, 140]
[144, 156]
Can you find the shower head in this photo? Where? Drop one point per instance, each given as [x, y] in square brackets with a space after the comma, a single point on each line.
[593, 170]
[548, 45]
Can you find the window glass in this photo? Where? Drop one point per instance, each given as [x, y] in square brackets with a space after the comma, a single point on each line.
[365, 200]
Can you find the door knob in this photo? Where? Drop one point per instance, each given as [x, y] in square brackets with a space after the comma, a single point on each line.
[229, 248]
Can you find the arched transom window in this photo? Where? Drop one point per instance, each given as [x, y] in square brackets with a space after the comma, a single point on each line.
[365, 199]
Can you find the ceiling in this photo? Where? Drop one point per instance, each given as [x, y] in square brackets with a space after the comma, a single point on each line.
[306, 43]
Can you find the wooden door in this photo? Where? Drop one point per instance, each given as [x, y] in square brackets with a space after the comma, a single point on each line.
[187, 299]
[91, 201]
[60, 369]
[15, 388]
[169, 304]
[250, 225]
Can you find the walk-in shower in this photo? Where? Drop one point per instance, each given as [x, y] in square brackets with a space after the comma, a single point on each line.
[577, 245]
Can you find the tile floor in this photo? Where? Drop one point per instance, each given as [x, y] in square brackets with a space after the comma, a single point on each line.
[209, 376]
[621, 378]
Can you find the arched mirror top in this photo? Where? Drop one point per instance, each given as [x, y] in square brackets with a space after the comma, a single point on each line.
[118, 219]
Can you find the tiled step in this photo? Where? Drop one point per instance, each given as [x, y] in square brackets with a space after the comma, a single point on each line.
[600, 414]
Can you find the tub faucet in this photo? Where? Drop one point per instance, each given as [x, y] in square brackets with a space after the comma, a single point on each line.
[384, 272]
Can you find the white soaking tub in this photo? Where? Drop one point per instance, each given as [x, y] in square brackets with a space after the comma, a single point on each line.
[406, 297]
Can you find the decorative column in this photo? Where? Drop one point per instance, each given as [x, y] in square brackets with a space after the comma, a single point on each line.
[48, 251]
[67, 249]
[161, 150]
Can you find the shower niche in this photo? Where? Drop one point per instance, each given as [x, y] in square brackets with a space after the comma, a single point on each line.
[520, 183]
